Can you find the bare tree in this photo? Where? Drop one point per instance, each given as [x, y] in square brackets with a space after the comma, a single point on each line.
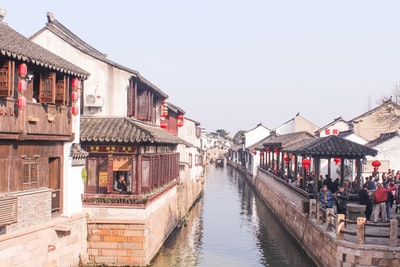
[390, 115]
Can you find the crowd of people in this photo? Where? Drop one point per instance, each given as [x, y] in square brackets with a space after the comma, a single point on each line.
[379, 193]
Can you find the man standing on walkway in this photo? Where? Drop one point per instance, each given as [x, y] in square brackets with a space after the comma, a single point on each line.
[365, 199]
[380, 197]
[341, 200]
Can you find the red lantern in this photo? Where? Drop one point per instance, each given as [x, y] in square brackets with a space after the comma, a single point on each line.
[337, 161]
[74, 96]
[286, 158]
[327, 132]
[254, 153]
[21, 86]
[306, 163]
[163, 124]
[75, 83]
[261, 154]
[22, 70]
[376, 164]
[21, 102]
[268, 149]
[180, 120]
[75, 110]
[276, 150]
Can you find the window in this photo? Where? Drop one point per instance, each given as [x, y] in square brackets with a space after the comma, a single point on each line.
[62, 91]
[141, 102]
[47, 88]
[30, 174]
[7, 69]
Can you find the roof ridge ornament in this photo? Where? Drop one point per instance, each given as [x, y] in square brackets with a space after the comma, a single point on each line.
[3, 13]
[50, 17]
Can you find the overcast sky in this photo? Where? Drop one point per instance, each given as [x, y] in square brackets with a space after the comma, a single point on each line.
[233, 64]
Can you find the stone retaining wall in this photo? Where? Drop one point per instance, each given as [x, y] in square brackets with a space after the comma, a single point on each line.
[59, 242]
[319, 244]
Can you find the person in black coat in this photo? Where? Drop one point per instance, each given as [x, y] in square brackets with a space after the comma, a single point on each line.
[365, 199]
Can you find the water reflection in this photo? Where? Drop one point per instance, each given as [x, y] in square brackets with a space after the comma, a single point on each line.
[230, 226]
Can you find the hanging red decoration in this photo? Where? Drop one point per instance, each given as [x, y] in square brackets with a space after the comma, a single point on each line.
[75, 83]
[163, 124]
[254, 153]
[276, 150]
[74, 110]
[337, 161]
[179, 123]
[376, 164]
[268, 149]
[327, 132]
[21, 102]
[74, 96]
[261, 154]
[22, 70]
[21, 86]
[286, 158]
[306, 163]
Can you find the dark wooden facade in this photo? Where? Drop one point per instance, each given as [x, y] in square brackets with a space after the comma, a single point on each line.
[33, 132]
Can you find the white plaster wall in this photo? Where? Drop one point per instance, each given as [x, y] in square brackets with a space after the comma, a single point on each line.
[106, 80]
[341, 126]
[73, 186]
[389, 151]
[255, 135]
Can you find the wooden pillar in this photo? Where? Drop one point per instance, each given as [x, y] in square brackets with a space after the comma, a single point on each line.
[341, 171]
[110, 182]
[317, 162]
[295, 167]
[139, 175]
[358, 175]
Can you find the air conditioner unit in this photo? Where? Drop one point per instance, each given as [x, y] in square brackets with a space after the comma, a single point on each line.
[93, 100]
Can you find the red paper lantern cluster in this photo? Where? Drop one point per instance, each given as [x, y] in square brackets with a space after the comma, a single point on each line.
[180, 120]
[75, 110]
[21, 102]
[306, 163]
[163, 123]
[337, 160]
[164, 109]
[75, 83]
[376, 164]
[22, 70]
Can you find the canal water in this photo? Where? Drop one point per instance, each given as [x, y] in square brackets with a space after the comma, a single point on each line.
[230, 226]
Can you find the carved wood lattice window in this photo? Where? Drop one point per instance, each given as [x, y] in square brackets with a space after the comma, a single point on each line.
[61, 91]
[6, 78]
[47, 88]
[30, 174]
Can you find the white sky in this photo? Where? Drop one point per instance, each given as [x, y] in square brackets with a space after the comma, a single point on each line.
[232, 64]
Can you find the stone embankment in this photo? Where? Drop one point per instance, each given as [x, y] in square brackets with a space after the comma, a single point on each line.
[326, 248]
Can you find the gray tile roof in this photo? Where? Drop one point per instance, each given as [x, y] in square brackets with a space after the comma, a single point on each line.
[282, 141]
[16, 46]
[124, 131]
[69, 37]
[334, 146]
[382, 138]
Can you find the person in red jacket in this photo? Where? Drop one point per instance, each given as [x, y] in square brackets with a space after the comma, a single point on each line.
[380, 197]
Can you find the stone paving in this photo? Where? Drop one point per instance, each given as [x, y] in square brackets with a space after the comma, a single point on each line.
[375, 229]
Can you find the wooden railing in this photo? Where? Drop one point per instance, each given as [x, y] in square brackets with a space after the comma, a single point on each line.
[128, 200]
[338, 223]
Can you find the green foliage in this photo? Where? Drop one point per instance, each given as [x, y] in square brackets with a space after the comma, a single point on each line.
[237, 139]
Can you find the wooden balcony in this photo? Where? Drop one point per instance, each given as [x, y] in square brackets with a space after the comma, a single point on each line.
[126, 200]
[36, 121]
